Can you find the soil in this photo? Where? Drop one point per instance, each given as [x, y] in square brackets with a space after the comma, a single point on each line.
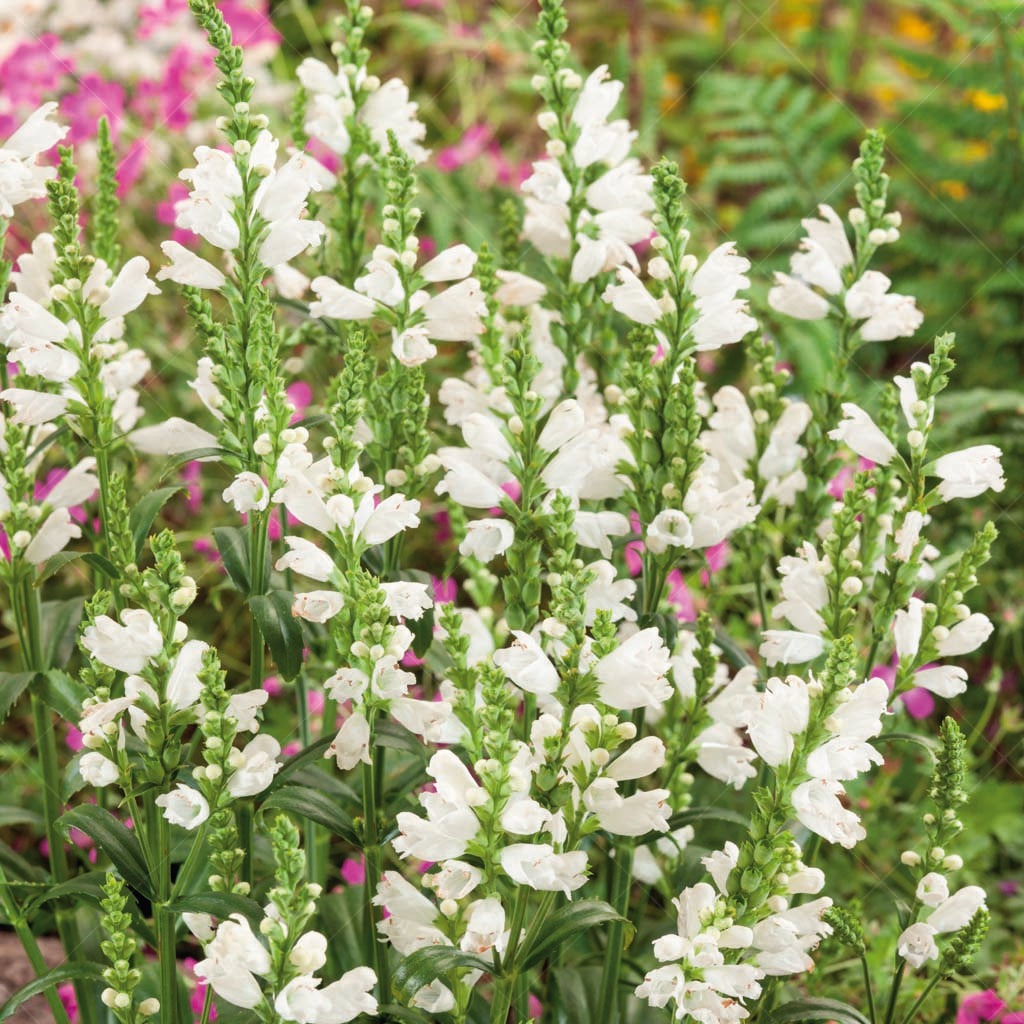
[16, 971]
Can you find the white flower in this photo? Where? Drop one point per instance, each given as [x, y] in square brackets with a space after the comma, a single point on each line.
[671, 528]
[859, 432]
[933, 889]
[789, 647]
[352, 744]
[257, 769]
[965, 636]
[455, 263]
[189, 269]
[564, 422]
[52, 536]
[792, 297]
[127, 648]
[968, 473]
[376, 524]
[944, 680]
[184, 806]
[129, 289]
[527, 665]
[817, 805]
[32, 408]
[303, 1000]
[538, 866]
[309, 954]
[776, 716]
[887, 316]
[485, 927]
[407, 600]
[466, 481]
[410, 922]
[20, 177]
[172, 437]
[242, 707]
[487, 538]
[232, 959]
[954, 913]
[907, 626]
[634, 674]
[339, 302]
[247, 493]
[634, 815]
[632, 299]
[98, 770]
[412, 346]
[917, 944]
[306, 559]
[183, 685]
[317, 605]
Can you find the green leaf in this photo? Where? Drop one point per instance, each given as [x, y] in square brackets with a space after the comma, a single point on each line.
[59, 975]
[16, 867]
[62, 693]
[318, 807]
[116, 841]
[710, 813]
[432, 962]
[142, 516]
[567, 923]
[281, 630]
[20, 816]
[63, 558]
[233, 545]
[12, 686]
[312, 754]
[221, 905]
[390, 734]
[816, 1009]
[60, 627]
[422, 632]
[578, 993]
[392, 1011]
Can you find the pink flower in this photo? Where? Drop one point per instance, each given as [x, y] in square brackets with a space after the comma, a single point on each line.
[300, 394]
[73, 739]
[980, 1006]
[353, 871]
[94, 99]
[249, 24]
[273, 686]
[445, 590]
[918, 702]
[315, 701]
[32, 71]
[679, 594]
[130, 169]
[471, 146]
[194, 491]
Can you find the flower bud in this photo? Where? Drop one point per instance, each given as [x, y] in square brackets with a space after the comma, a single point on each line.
[910, 858]
[149, 1006]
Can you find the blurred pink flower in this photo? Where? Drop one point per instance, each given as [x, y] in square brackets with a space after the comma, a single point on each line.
[471, 146]
[95, 98]
[32, 71]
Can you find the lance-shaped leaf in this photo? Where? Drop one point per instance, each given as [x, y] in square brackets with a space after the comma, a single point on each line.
[317, 806]
[58, 976]
[116, 841]
[566, 924]
[426, 965]
[816, 1009]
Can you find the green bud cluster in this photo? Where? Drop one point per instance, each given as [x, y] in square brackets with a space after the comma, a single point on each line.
[121, 950]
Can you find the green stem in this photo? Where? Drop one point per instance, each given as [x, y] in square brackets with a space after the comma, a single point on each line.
[622, 877]
[501, 1001]
[164, 922]
[921, 998]
[316, 866]
[192, 861]
[31, 947]
[257, 567]
[372, 852]
[245, 839]
[867, 988]
[894, 992]
[207, 1005]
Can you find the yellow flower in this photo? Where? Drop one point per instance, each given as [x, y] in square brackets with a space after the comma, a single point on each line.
[914, 28]
[954, 189]
[987, 102]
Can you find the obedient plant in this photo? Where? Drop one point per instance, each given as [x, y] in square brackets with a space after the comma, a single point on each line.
[590, 748]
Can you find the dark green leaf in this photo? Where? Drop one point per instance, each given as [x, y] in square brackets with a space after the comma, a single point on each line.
[693, 814]
[567, 923]
[233, 545]
[929, 743]
[578, 993]
[281, 630]
[140, 521]
[392, 1011]
[221, 905]
[422, 632]
[12, 686]
[63, 558]
[59, 975]
[816, 1009]
[432, 962]
[20, 816]
[16, 867]
[62, 693]
[116, 841]
[390, 734]
[60, 627]
[316, 806]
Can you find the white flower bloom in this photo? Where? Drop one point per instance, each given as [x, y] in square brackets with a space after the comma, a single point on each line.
[317, 605]
[954, 913]
[306, 559]
[377, 523]
[671, 528]
[787, 647]
[184, 806]
[52, 536]
[634, 815]
[776, 716]
[183, 685]
[606, 593]
[172, 437]
[970, 472]
[485, 927]
[232, 959]
[517, 289]
[634, 674]
[907, 627]
[410, 922]
[455, 263]
[595, 529]
[965, 636]
[248, 493]
[407, 600]
[917, 944]
[487, 538]
[817, 805]
[527, 665]
[31, 408]
[189, 269]
[565, 422]
[886, 316]
[723, 756]
[455, 314]
[859, 432]
[933, 889]
[352, 744]
[341, 303]
[538, 866]
[242, 707]
[20, 177]
[632, 299]
[98, 770]
[412, 346]
[258, 767]
[127, 648]
[129, 289]
[944, 680]
[793, 298]
[303, 1000]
